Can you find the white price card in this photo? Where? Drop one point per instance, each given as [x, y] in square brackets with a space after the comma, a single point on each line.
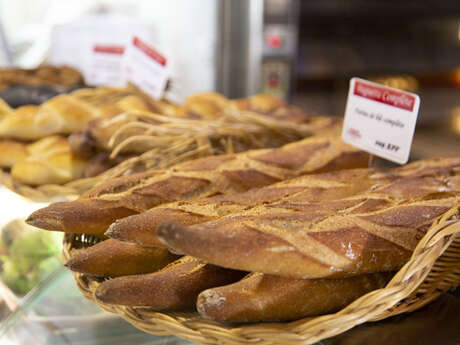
[145, 67]
[380, 119]
[105, 65]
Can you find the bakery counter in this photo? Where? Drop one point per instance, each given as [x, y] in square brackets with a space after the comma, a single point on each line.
[56, 313]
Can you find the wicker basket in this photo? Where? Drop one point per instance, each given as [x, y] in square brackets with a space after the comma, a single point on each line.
[433, 269]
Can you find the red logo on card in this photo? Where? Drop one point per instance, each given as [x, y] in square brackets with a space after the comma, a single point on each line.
[119, 50]
[354, 133]
[384, 95]
[149, 51]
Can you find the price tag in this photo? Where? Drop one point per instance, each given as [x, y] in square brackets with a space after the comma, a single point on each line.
[145, 67]
[105, 65]
[94, 45]
[380, 119]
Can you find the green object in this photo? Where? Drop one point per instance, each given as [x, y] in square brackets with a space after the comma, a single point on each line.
[28, 256]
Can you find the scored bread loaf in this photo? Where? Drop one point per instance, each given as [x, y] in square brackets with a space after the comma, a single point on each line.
[141, 228]
[370, 232]
[112, 258]
[48, 161]
[203, 177]
[262, 297]
[175, 287]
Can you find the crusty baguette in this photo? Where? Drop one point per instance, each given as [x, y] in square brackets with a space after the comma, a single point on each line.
[141, 228]
[175, 287]
[200, 178]
[89, 217]
[262, 297]
[369, 232]
[112, 258]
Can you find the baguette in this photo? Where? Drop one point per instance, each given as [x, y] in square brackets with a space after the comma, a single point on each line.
[370, 232]
[198, 178]
[175, 287]
[261, 297]
[141, 228]
[112, 258]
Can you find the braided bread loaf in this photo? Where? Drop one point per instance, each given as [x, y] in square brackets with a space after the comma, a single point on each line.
[47, 75]
[46, 161]
[369, 232]
[12, 152]
[65, 114]
[213, 175]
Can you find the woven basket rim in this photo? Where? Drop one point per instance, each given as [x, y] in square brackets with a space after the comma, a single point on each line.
[414, 285]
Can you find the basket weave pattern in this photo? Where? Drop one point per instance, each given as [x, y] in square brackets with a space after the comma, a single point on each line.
[433, 269]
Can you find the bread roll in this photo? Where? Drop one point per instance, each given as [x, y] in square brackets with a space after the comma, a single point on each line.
[112, 258]
[200, 178]
[370, 232]
[175, 287]
[261, 297]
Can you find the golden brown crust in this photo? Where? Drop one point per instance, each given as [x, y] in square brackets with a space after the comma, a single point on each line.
[175, 287]
[43, 75]
[261, 297]
[67, 113]
[141, 192]
[82, 216]
[293, 193]
[141, 228]
[12, 152]
[304, 240]
[48, 161]
[112, 258]
[310, 188]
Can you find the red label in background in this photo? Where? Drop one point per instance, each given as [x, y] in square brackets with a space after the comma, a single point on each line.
[149, 51]
[119, 50]
[383, 95]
